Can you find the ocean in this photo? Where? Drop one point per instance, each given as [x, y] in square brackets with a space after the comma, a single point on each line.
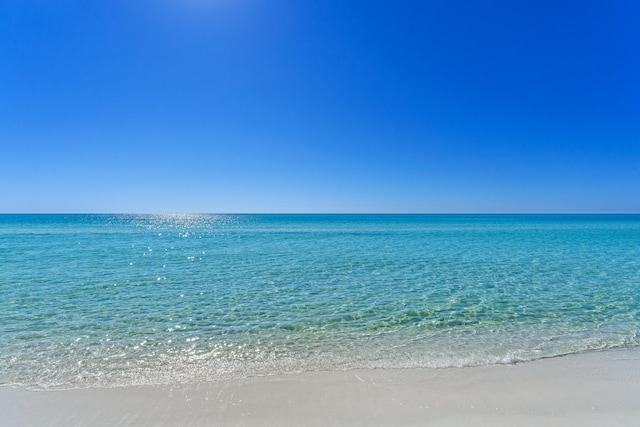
[121, 300]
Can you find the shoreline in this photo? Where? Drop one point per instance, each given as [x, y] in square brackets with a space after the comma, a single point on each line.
[596, 388]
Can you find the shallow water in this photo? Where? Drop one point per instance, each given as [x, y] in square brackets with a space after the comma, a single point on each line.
[111, 300]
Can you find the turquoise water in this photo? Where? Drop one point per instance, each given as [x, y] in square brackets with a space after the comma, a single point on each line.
[113, 300]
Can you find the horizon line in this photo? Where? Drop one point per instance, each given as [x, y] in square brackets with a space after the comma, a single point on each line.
[320, 213]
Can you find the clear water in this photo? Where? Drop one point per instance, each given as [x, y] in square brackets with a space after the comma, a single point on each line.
[113, 300]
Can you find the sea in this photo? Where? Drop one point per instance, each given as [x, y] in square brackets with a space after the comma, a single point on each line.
[124, 300]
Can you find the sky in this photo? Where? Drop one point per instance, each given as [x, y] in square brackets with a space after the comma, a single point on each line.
[319, 106]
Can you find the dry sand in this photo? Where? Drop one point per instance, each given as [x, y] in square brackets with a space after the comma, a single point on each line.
[593, 389]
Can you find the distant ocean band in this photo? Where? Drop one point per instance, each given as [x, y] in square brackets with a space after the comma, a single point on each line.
[116, 300]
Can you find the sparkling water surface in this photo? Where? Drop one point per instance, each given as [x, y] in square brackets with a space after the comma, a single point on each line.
[115, 300]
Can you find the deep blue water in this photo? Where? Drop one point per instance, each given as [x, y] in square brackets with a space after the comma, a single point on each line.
[110, 300]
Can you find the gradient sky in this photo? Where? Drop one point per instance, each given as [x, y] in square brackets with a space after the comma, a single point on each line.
[319, 106]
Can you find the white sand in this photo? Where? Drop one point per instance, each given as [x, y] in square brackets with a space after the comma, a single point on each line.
[594, 389]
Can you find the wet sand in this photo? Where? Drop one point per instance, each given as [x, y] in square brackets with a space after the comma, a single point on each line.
[594, 389]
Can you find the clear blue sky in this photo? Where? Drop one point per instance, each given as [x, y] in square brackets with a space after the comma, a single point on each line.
[319, 106]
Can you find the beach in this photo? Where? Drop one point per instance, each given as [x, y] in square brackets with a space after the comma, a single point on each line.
[591, 389]
[290, 213]
[192, 320]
